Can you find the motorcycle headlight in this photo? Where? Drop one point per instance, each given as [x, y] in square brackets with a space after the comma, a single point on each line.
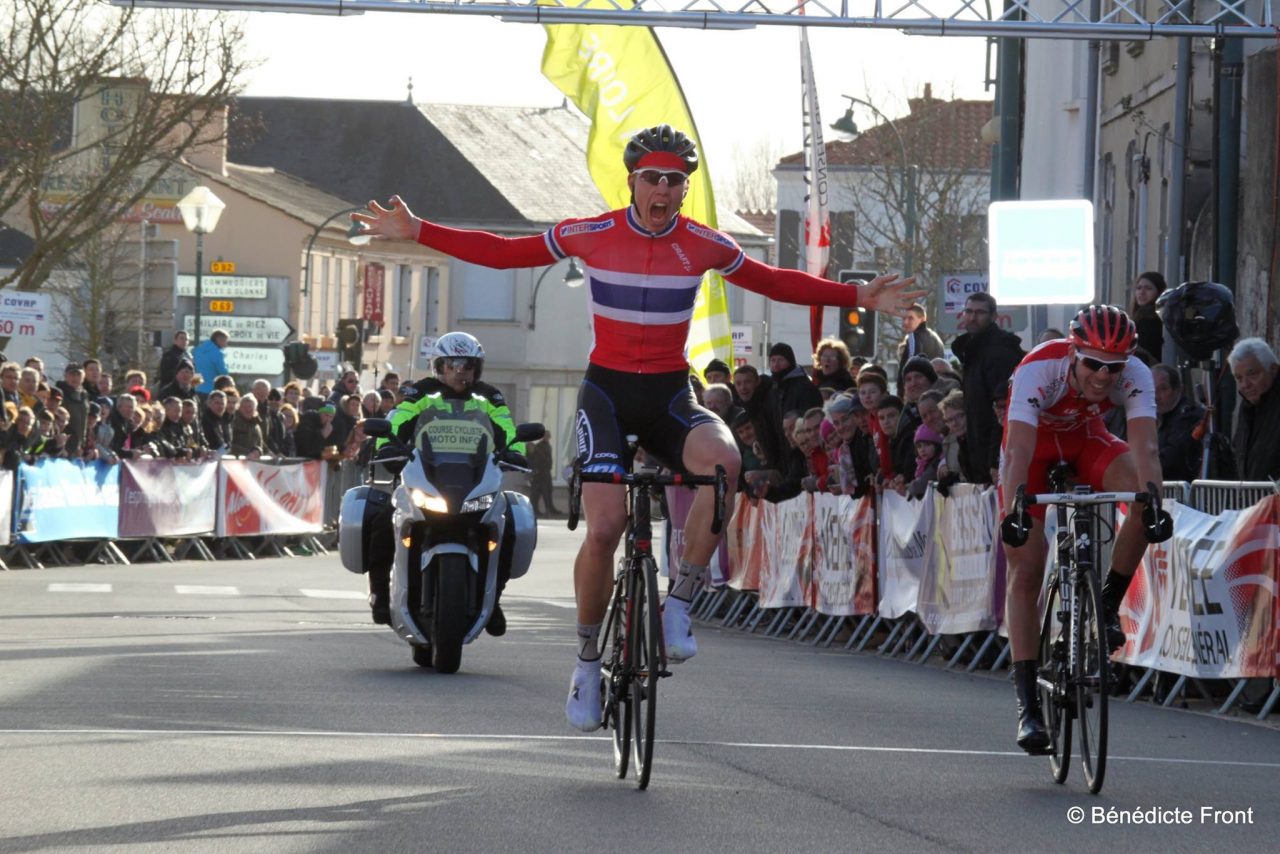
[478, 504]
[428, 503]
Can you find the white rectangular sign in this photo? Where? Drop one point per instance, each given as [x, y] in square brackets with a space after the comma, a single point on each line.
[242, 330]
[222, 287]
[259, 361]
[326, 361]
[1041, 252]
[24, 315]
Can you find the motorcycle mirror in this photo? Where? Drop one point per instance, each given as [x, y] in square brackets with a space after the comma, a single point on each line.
[377, 427]
[531, 432]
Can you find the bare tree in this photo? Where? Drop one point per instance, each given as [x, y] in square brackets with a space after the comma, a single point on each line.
[57, 54]
[943, 202]
[751, 186]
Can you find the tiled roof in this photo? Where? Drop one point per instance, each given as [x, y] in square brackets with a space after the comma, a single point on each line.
[765, 221]
[457, 164]
[937, 135]
[282, 191]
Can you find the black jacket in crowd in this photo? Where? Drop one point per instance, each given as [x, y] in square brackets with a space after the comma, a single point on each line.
[216, 431]
[989, 358]
[1179, 452]
[169, 365]
[308, 440]
[1257, 436]
[76, 402]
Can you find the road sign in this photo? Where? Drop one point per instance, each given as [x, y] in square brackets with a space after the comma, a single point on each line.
[242, 330]
[24, 315]
[221, 306]
[257, 361]
[233, 287]
[224, 267]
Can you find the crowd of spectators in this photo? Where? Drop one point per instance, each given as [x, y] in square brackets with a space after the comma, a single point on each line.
[842, 426]
[184, 415]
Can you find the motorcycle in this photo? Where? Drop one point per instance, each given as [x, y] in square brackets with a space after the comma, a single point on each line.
[458, 537]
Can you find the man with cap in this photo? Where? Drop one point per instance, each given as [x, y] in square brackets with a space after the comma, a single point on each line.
[795, 391]
[209, 361]
[76, 401]
[315, 432]
[717, 371]
[180, 386]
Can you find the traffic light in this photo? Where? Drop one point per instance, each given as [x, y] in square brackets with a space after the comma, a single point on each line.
[858, 331]
[858, 325]
[298, 359]
[350, 342]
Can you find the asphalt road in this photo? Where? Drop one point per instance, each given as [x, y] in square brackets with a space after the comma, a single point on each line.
[251, 706]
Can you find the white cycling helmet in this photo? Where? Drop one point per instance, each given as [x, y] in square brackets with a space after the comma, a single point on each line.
[457, 345]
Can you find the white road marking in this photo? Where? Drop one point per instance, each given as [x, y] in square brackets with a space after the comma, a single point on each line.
[78, 587]
[746, 745]
[203, 590]
[336, 594]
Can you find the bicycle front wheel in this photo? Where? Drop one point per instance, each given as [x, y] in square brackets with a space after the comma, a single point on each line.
[617, 711]
[1051, 679]
[646, 629]
[1091, 670]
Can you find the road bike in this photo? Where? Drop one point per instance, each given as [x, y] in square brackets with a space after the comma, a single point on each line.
[1074, 658]
[635, 655]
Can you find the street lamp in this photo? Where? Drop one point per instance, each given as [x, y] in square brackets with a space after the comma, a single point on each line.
[356, 236]
[846, 125]
[572, 277]
[200, 211]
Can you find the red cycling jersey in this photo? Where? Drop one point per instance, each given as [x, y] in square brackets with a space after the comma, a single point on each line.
[643, 285]
[1042, 397]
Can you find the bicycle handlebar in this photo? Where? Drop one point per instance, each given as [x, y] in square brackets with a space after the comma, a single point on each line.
[1157, 524]
[649, 478]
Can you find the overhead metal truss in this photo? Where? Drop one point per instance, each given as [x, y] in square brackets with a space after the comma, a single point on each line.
[1103, 20]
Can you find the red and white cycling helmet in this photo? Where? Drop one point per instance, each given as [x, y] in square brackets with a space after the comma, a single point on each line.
[1105, 328]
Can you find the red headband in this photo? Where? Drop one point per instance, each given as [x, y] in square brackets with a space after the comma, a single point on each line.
[663, 160]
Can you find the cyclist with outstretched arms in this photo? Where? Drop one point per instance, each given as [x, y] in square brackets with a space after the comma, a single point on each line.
[1060, 391]
[644, 264]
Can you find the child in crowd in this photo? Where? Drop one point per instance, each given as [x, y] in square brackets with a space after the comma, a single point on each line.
[928, 455]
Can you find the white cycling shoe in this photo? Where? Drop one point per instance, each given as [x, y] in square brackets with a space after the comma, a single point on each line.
[677, 632]
[583, 708]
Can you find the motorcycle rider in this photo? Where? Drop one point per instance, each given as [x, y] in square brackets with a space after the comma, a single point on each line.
[458, 360]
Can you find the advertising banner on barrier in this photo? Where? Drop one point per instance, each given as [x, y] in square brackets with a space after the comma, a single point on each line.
[160, 498]
[1205, 602]
[957, 592]
[6, 507]
[746, 546]
[843, 559]
[906, 548]
[788, 538]
[68, 500]
[268, 498]
[679, 502]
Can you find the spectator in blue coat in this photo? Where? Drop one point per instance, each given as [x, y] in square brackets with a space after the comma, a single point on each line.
[210, 361]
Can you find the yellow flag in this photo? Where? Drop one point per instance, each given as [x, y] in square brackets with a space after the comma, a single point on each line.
[621, 80]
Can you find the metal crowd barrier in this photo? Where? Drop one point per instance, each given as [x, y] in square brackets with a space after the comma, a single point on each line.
[907, 635]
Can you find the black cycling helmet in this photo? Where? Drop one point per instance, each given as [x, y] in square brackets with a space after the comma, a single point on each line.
[661, 138]
[1200, 317]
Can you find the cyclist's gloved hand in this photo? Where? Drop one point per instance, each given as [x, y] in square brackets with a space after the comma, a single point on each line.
[1157, 530]
[1015, 529]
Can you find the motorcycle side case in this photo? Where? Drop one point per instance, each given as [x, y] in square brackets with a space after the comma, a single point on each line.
[365, 513]
[520, 534]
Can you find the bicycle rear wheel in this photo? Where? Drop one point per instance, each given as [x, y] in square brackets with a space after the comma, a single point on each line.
[646, 629]
[1091, 670]
[617, 711]
[1051, 679]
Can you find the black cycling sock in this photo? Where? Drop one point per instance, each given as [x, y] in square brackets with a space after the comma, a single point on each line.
[1114, 588]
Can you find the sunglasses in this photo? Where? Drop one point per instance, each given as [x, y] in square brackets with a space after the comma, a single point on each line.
[461, 364]
[1097, 364]
[657, 176]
